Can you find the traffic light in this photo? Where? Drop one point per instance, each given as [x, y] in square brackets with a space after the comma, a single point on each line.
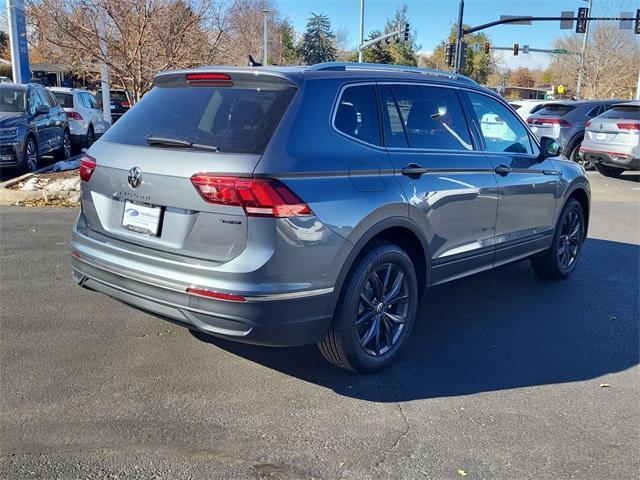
[581, 24]
[516, 48]
[406, 32]
[448, 54]
[487, 48]
[637, 27]
[463, 54]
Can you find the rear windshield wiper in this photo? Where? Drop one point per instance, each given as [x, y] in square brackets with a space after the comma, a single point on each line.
[175, 142]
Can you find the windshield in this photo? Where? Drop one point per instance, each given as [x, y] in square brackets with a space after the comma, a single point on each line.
[12, 100]
[231, 119]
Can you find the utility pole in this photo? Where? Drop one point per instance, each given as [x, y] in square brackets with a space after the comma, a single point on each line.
[105, 86]
[361, 30]
[265, 38]
[638, 87]
[582, 52]
[459, 34]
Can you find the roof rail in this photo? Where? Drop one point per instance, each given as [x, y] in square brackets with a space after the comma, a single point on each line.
[342, 66]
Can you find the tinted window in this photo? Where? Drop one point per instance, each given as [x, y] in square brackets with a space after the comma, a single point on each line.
[394, 135]
[501, 129]
[236, 120]
[555, 110]
[357, 114]
[34, 102]
[47, 98]
[595, 111]
[515, 106]
[631, 112]
[89, 100]
[64, 99]
[432, 117]
[12, 100]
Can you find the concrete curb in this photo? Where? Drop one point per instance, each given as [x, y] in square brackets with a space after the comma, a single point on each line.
[10, 197]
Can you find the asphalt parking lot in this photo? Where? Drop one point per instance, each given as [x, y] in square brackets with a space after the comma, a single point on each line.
[505, 378]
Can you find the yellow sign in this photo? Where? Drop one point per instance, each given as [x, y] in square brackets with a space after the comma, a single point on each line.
[561, 89]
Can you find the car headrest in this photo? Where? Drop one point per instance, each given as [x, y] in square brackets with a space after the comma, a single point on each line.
[420, 116]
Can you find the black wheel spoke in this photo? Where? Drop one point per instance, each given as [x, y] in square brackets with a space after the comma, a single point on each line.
[398, 300]
[377, 284]
[395, 289]
[366, 315]
[394, 318]
[366, 300]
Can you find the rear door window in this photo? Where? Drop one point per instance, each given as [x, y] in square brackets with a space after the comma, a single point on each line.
[357, 114]
[431, 117]
[233, 119]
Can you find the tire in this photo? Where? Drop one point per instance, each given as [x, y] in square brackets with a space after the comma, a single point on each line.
[384, 328]
[608, 171]
[561, 259]
[574, 157]
[64, 152]
[91, 136]
[30, 154]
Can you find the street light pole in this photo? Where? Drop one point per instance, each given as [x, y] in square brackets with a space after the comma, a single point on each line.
[582, 52]
[361, 31]
[265, 39]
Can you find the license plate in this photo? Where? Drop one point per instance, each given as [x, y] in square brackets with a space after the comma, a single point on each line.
[141, 219]
[601, 136]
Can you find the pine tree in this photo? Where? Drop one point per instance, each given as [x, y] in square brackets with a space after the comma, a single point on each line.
[318, 41]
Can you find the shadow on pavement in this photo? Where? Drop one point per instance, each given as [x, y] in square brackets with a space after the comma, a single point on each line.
[498, 330]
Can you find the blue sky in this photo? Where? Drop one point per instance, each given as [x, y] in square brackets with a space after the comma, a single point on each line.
[432, 19]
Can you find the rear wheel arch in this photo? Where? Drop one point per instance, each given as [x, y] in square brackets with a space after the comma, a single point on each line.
[575, 141]
[399, 231]
[581, 196]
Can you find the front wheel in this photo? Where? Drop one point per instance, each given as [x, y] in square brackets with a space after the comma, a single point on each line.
[31, 155]
[608, 171]
[575, 157]
[561, 259]
[375, 313]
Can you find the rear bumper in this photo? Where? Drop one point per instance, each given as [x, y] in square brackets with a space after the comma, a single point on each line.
[274, 319]
[612, 159]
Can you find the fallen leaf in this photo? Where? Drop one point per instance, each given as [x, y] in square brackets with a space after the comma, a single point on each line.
[604, 385]
[462, 473]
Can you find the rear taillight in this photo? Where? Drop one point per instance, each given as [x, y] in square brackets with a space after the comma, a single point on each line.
[548, 121]
[588, 124]
[87, 166]
[209, 79]
[125, 104]
[74, 116]
[258, 197]
[629, 126]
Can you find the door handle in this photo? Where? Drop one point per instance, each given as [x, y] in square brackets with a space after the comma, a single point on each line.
[502, 170]
[413, 170]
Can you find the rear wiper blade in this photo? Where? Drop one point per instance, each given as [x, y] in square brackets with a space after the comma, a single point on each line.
[176, 142]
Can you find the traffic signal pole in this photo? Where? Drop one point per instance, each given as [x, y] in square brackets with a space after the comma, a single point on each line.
[459, 34]
[582, 52]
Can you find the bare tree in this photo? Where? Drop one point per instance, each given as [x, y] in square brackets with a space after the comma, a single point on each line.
[142, 37]
[611, 62]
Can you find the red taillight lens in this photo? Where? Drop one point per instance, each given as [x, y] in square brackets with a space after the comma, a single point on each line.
[548, 121]
[74, 116]
[202, 292]
[125, 104]
[87, 166]
[588, 124]
[629, 126]
[259, 197]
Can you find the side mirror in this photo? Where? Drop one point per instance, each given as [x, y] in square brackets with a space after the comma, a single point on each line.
[549, 148]
[42, 110]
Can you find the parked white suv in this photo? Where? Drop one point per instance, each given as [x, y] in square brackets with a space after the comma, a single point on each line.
[86, 121]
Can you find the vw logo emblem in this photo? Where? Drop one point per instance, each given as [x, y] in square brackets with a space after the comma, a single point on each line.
[135, 177]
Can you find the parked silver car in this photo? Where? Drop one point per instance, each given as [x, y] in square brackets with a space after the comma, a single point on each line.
[286, 206]
[86, 121]
[612, 140]
[565, 122]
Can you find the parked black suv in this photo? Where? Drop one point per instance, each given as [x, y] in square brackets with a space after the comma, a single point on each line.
[120, 103]
[32, 124]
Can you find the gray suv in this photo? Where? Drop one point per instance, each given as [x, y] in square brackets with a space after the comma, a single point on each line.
[287, 206]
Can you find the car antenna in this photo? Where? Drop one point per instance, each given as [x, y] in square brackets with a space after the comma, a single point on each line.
[253, 63]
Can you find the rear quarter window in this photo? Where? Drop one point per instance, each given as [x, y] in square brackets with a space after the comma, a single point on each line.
[64, 99]
[233, 119]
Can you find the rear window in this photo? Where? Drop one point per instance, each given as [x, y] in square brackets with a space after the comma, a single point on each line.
[515, 106]
[233, 119]
[64, 99]
[555, 110]
[631, 112]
